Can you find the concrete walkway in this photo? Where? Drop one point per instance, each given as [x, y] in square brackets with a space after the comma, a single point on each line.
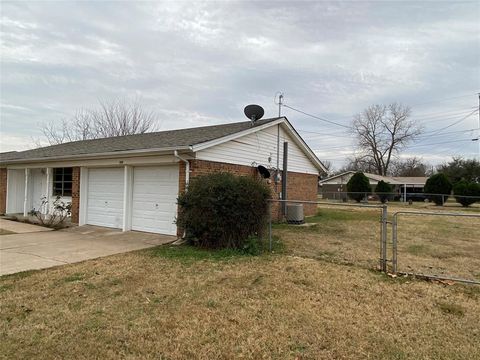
[43, 249]
[20, 228]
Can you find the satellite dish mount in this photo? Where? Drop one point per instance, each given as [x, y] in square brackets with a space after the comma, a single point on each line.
[253, 112]
[263, 171]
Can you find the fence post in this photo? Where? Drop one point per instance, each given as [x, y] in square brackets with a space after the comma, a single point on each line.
[383, 247]
[394, 244]
[381, 241]
[270, 226]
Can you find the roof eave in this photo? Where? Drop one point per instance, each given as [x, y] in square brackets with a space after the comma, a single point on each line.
[104, 155]
[335, 176]
[310, 153]
[283, 120]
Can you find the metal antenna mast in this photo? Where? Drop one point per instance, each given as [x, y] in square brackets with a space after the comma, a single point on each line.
[280, 98]
[277, 172]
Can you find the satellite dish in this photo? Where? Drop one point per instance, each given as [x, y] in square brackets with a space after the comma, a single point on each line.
[263, 171]
[253, 112]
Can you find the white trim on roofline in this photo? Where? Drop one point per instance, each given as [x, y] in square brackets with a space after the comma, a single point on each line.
[392, 180]
[103, 155]
[335, 176]
[194, 148]
[282, 121]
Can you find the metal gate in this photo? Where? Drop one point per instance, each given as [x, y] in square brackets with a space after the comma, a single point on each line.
[389, 253]
[396, 239]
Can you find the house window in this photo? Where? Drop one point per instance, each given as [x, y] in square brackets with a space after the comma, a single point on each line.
[62, 181]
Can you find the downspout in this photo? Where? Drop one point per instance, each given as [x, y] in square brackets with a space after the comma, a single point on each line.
[187, 179]
[284, 177]
[187, 168]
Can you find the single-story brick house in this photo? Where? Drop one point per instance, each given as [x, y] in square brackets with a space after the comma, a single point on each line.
[132, 182]
[335, 187]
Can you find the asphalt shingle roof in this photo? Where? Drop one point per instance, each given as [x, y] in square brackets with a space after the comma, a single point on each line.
[394, 180]
[155, 140]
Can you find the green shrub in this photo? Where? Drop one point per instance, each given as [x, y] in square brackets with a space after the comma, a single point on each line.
[221, 210]
[384, 190]
[358, 186]
[439, 186]
[465, 188]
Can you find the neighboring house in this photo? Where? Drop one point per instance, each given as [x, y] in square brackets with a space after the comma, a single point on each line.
[335, 187]
[132, 182]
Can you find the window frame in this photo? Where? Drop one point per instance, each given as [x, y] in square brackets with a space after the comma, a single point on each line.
[58, 186]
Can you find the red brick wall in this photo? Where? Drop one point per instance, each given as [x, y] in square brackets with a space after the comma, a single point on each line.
[181, 177]
[303, 187]
[202, 167]
[75, 194]
[300, 186]
[3, 191]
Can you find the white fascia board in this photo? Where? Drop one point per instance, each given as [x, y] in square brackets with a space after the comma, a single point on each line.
[283, 122]
[208, 144]
[303, 145]
[105, 155]
[334, 177]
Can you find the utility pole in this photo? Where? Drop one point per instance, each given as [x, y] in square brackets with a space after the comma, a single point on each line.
[277, 173]
[478, 130]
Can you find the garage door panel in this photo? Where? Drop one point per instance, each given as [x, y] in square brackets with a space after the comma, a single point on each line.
[105, 197]
[154, 205]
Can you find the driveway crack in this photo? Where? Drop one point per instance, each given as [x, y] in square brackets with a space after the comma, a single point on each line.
[39, 256]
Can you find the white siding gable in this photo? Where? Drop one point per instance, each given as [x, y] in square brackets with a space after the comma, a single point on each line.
[257, 149]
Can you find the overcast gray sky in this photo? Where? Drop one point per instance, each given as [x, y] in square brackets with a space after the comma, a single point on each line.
[200, 63]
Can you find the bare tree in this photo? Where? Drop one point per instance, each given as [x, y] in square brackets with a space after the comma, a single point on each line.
[359, 163]
[413, 166]
[381, 132]
[111, 118]
[328, 166]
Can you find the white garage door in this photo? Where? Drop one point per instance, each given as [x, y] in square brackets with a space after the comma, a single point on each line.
[155, 192]
[105, 197]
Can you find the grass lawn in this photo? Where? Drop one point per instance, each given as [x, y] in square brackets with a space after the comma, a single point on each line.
[312, 299]
[446, 246]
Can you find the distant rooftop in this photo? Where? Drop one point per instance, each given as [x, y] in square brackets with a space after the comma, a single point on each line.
[394, 180]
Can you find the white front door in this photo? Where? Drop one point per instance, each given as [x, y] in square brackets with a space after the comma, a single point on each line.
[15, 191]
[37, 188]
[105, 197]
[154, 202]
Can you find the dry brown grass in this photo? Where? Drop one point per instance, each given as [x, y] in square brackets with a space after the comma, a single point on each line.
[446, 246]
[317, 299]
[150, 304]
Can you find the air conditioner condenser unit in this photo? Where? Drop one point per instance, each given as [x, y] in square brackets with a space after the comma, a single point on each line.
[295, 214]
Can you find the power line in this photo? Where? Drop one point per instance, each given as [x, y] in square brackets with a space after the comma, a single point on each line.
[438, 118]
[447, 133]
[455, 123]
[316, 117]
[443, 113]
[317, 135]
[444, 99]
[321, 133]
[440, 143]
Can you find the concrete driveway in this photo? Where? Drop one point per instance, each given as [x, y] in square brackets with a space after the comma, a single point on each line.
[43, 249]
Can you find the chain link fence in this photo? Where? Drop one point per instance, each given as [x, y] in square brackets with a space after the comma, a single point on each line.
[410, 197]
[439, 245]
[390, 238]
[342, 233]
